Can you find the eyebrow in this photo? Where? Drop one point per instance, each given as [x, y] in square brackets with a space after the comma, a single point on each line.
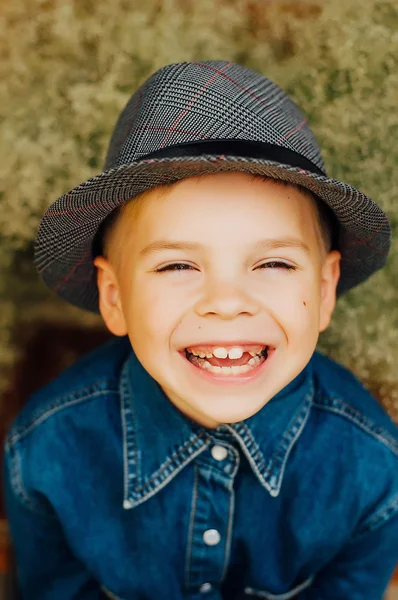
[261, 245]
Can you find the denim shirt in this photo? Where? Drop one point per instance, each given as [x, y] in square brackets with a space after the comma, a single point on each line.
[111, 492]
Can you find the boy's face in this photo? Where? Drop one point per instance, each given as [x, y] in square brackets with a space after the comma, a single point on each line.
[252, 275]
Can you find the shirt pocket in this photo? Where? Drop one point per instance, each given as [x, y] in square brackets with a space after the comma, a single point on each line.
[285, 596]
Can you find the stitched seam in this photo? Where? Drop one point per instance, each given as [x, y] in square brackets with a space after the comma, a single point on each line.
[54, 408]
[190, 529]
[366, 425]
[125, 449]
[145, 490]
[167, 479]
[285, 443]
[14, 455]
[282, 447]
[17, 486]
[285, 596]
[302, 414]
[171, 460]
[136, 454]
[250, 458]
[130, 440]
[291, 442]
[393, 504]
[379, 518]
[229, 530]
[253, 443]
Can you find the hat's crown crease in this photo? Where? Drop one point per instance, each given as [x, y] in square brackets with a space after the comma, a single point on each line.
[146, 119]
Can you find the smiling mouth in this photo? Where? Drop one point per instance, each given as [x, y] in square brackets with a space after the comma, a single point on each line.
[228, 366]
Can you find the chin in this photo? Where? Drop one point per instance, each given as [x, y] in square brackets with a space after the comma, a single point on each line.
[228, 417]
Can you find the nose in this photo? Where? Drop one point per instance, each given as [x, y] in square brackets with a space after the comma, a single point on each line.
[227, 300]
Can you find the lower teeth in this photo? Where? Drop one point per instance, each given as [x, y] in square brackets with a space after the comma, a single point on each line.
[206, 366]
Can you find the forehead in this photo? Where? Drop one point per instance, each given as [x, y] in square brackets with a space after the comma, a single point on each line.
[220, 212]
[213, 209]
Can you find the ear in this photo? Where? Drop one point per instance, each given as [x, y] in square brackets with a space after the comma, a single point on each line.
[330, 277]
[109, 297]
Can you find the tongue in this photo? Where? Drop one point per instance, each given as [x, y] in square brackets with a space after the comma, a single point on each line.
[230, 362]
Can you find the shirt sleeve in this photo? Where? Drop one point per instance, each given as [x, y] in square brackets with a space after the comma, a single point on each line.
[364, 567]
[46, 567]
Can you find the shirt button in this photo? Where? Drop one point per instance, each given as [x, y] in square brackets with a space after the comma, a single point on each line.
[205, 587]
[211, 537]
[219, 452]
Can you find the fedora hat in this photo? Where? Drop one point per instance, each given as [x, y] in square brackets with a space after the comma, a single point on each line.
[199, 118]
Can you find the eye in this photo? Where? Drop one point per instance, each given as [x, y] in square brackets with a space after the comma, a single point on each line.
[273, 265]
[175, 267]
[277, 264]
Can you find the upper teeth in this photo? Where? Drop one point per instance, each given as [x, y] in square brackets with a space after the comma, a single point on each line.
[223, 352]
[220, 352]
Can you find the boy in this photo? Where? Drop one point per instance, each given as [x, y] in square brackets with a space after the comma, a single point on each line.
[207, 451]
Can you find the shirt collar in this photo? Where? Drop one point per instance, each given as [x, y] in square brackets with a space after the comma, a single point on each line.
[159, 441]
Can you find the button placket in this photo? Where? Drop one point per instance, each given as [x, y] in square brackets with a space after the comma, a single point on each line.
[210, 526]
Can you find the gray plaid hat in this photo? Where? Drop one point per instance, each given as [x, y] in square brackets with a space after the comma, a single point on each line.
[196, 118]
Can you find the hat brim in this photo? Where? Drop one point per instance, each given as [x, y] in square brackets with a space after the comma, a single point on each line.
[63, 249]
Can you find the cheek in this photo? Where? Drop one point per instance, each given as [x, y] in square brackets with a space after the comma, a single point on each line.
[297, 312]
[152, 312]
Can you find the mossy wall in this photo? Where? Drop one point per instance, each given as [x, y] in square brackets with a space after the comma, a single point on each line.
[68, 67]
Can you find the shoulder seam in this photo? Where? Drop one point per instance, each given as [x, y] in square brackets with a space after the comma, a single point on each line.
[76, 397]
[341, 408]
[11, 462]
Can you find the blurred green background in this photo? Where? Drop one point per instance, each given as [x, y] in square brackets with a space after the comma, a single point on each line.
[68, 67]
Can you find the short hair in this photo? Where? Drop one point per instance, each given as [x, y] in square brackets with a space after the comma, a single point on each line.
[328, 223]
